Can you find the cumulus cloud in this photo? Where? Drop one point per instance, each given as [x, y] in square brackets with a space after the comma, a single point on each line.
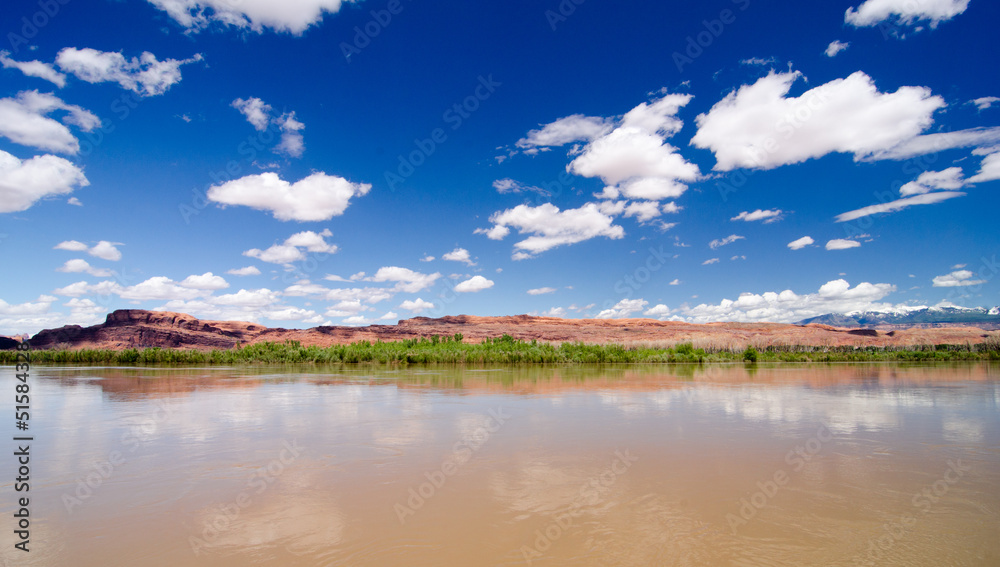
[78, 266]
[245, 271]
[541, 290]
[842, 244]
[644, 211]
[103, 249]
[575, 128]
[143, 75]
[24, 120]
[551, 227]
[767, 216]
[836, 296]
[899, 204]
[989, 170]
[904, 12]
[459, 255]
[928, 181]
[801, 243]
[294, 248]
[206, 281]
[759, 126]
[985, 102]
[34, 69]
[291, 140]
[958, 278]
[256, 111]
[407, 280]
[474, 284]
[835, 47]
[293, 17]
[719, 242]
[416, 305]
[23, 183]
[318, 197]
[623, 309]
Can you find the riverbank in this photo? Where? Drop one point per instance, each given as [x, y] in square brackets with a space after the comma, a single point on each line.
[505, 350]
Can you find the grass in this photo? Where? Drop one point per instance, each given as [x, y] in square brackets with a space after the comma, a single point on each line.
[505, 350]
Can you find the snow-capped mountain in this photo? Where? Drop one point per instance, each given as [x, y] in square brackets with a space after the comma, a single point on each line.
[921, 316]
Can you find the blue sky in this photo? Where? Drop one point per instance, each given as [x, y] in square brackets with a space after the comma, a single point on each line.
[320, 162]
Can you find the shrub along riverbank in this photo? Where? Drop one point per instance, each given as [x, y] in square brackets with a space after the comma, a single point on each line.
[504, 350]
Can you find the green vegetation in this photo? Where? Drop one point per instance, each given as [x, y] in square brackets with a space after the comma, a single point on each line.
[505, 350]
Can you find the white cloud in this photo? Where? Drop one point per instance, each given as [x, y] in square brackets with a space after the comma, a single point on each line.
[569, 129]
[759, 61]
[318, 197]
[206, 281]
[767, 216]
[935, 143]
[144, 75]
[245, 271]
[78, 266]
[959, 278]
[905, 12]
[710, 261]
[291, 140]
[541, 290]
[459, 255]
[416, 306]
[989, 170]
[256, 111]
[928, 181]
[835, 47]
[160, 288]
[294, 248]
[719, 242]
[427, 258]
[623, 309]
[836, 296]
[759, 126]
[24, 121]
[71, 245]
[842, 244]
[406, 279]
[551, 227]
[899, 204]
[801, 243]
[630, 153]
[23, 183]
[34, 69]
[660, 311]
[508, 185]
[675, 282]
[474, 284]
[985, 102]
[643, 210]
[293, 17]
[106, 251]
[74, 201]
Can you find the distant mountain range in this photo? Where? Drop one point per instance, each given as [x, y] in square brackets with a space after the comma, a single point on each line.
[920, 317]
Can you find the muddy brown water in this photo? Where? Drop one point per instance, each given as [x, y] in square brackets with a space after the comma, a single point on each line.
[845, 464]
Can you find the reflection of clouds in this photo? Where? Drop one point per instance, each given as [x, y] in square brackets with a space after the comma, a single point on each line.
[630, 404]
[960, 430]
[287, 515]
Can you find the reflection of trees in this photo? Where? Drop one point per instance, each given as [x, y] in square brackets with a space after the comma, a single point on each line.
[137, 383]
